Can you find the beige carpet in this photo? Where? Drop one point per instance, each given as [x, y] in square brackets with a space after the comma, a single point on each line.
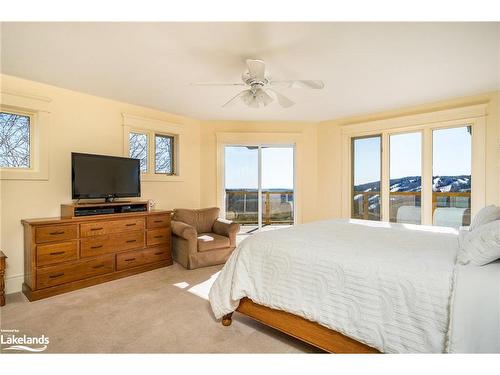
[161, 311]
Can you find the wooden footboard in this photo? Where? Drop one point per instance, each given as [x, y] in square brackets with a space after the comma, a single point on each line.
[300, 328]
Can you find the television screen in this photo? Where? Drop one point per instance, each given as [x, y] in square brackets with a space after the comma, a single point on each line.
[100, 176]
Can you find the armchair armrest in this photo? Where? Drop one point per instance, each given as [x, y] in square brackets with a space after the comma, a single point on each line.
[184, 230]
[227, 228]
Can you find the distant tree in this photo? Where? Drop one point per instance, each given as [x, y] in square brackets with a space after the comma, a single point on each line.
[138, 149]
[164, 155]
[14, 141]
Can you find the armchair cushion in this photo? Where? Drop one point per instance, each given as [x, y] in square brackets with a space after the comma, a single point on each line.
[183, 230]
[202, 220]
[212, 241]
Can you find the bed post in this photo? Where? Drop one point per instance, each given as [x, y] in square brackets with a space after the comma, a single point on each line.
[227, 319]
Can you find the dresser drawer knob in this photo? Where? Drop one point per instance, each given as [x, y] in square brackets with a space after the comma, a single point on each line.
[57, 275]
[158, 221]
[130, 241]
[100, 228]
[96, 247]
[160, 253]
[129, 259]
[98, 266]
[158, 236]
[56, 232]
[130, 225]
[57, 252]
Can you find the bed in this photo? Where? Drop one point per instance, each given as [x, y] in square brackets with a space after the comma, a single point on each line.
[355, 286]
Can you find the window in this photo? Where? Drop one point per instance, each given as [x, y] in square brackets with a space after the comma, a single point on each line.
[405, 185]
[152, 147]
[424, 178]
[366, 168]
[138, 149]
[164, 154]
[15, 148]
[451, 176]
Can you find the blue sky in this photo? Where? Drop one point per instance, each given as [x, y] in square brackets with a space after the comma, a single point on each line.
[451, 155]
[241, 166]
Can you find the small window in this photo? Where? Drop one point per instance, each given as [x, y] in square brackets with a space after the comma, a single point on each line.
[164, 154]
[14, 140]
[138, 149]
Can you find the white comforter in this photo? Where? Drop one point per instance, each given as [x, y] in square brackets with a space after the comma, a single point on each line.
[386, 285]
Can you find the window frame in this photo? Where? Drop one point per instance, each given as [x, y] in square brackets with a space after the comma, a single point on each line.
[173, 161]
[473, 116]
[151, 128]
[37, 108]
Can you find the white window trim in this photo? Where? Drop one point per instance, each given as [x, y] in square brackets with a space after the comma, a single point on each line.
[474, 115]
[38, 109]
[149, 126]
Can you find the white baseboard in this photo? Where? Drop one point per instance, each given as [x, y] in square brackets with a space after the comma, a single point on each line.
[14, 283]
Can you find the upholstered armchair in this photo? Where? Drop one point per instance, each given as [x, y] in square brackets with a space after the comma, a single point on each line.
[201, 239]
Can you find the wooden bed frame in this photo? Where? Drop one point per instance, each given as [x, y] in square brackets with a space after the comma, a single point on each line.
[300, 328]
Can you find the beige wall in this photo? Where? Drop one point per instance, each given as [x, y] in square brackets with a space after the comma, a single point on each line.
[83, 123]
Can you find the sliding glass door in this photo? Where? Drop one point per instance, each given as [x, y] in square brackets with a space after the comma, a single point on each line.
[277, 185]
[259, 186]
[242, 184]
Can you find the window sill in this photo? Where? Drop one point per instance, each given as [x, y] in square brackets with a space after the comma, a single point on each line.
[23, 174]
[160, 178]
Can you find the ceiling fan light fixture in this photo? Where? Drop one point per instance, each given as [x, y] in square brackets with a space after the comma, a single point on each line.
[260, 91]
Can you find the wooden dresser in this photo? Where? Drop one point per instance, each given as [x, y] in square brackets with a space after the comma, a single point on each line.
[64, 254]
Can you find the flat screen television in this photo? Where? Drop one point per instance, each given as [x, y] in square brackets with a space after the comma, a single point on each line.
[101, 176]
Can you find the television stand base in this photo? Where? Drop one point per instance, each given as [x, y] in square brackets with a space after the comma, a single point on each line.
[102, 208]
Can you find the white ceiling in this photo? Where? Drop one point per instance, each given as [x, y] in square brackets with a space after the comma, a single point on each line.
[367, 67]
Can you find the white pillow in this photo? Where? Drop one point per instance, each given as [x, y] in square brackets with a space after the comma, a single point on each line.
[480, 246]
[484, 216]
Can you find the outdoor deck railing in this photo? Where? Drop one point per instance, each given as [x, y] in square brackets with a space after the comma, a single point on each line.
[277, 206]
[365, 214]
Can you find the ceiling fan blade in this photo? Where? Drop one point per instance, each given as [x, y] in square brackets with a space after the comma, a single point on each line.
[257, 69]
[300, 84]
[264, 97]
[282, 99]
[216, 84]
[232, 101]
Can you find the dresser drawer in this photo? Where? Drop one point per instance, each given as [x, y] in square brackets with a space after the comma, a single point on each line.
[158, 236]
[99, 245]
[50, 276]
[139, 257]
[158, 221]
[56, 233]
[53, 253]
[110, 227]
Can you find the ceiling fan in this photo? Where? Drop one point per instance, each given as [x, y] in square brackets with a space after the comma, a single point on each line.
[260, 91]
